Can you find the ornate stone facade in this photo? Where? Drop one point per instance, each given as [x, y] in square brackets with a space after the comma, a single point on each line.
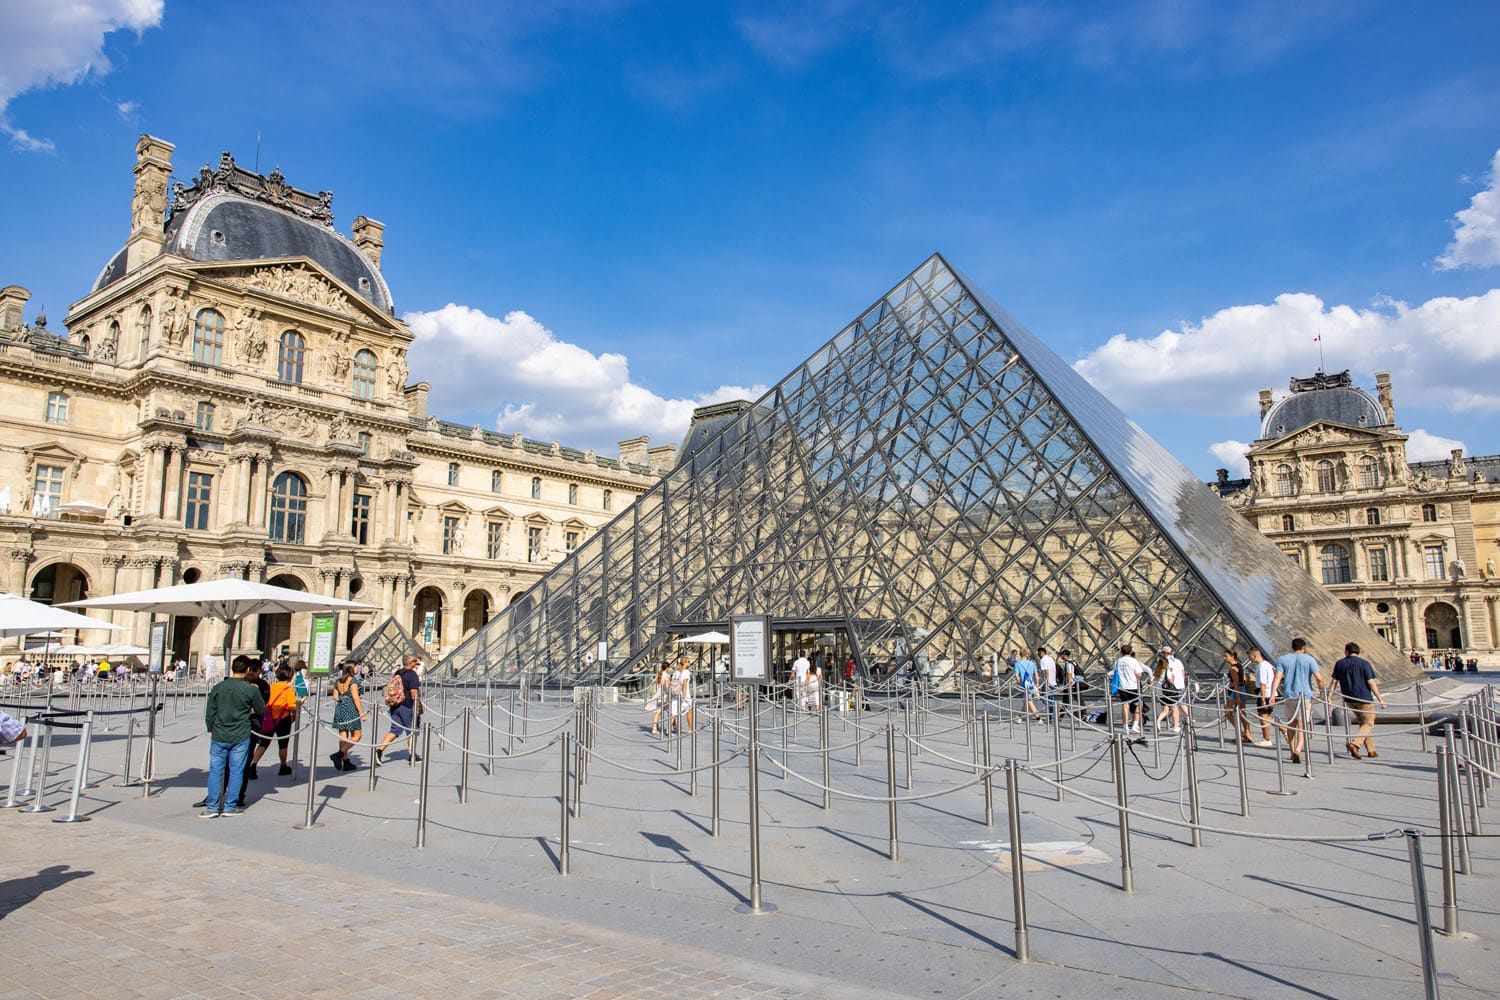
[210, 415]
[1413, 548]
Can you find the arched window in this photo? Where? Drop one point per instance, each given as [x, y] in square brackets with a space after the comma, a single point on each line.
[86, 343]
[288, 508]
[208, 337]
[364, 374]
[1429, 513]
[1369, 473]
[289, 355]
[143, 332]
[1335, 564]
[1325, 476]
[1286, 484]
[1288, 523]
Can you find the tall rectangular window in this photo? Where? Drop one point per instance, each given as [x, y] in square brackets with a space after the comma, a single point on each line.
[208, 337]
[199, 494]
[570, 540]
[495, 479]
[452, 473]
[536, 487]
[494, 539]
[452, 538]
[533, 544]
[609, 499]
[1432, 561]
[1379, 569]
[359, 523]
[204, 419]
[573, 493]
[364, 440]
[57, 407]
[49, 487]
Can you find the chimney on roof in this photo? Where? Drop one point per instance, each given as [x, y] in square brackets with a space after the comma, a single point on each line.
[1383, 390]
[148, 205]
[662, 458]
[416, 399]
[1221, 476]
[633, 451]
[12, 307]
[369, 236]
[1266, 402]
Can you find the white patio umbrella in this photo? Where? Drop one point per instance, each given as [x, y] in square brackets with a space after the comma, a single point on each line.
[226, 600]
[19, 616]
[707, 639]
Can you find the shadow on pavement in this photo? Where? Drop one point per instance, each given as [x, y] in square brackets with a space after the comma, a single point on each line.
[17, 892]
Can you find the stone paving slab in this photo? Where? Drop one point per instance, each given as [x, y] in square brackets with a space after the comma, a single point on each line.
[1238, 917]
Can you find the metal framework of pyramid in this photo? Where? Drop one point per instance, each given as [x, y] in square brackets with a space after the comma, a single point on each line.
[941, 487]
[386, 645]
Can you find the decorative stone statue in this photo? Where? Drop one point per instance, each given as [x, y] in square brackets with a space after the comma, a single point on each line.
[255, 412]
[339, 429]
[250, 339]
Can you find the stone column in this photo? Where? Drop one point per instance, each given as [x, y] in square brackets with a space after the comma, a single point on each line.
[152, 468]
[229, 490]
[453, 617]
[112, 564]
[172, 497]
[19, 558]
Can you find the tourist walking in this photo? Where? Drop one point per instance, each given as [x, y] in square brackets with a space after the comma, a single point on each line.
[1069, 678]
[681, 687]
[1127, 674]
[1025, 672]
[348, 713]
[1239, 688]
[1046, 669]
[227, 712]
[1171, 678]
[403, 697]
[661, 696]
[800, 667]
[1262, 673]
[1300, 684]
[280, 715]
[1356, 679]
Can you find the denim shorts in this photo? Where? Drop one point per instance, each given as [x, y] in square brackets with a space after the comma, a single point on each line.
[401, 720]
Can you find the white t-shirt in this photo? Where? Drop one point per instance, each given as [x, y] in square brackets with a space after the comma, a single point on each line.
[1048, 667]
[1128, 673]
[1265, 676]
[800, 667]
[682, 686]
[1176, 676]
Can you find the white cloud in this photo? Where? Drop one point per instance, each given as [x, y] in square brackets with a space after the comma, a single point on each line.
[1216, 364]
[1424, 447]
[127, 109]
[46, 43]
[544, 387]
[1476, 234]
[1232, 456]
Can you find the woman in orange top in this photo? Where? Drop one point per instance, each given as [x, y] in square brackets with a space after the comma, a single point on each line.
[281, 713]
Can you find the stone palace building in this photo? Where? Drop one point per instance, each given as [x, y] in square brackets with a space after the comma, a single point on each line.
[232, 398]
[1413, 548]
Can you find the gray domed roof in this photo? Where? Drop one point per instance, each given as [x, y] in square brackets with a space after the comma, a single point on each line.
[1346, 405]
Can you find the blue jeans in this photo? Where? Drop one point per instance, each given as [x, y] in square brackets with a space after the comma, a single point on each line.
[235, 754]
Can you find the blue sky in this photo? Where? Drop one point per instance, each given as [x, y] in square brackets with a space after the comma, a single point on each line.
[600, 213]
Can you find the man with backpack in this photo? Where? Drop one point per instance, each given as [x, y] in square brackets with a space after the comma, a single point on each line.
[403, 700]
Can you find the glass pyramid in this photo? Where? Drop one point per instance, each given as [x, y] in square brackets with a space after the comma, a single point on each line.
[939, 488]
[383, 648]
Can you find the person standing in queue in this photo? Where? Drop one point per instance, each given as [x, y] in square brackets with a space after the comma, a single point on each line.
[403, 696]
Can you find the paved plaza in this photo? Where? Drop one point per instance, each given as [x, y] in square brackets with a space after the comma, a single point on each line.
[147, 899]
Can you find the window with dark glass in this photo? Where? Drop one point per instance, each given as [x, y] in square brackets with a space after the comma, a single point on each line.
[290, 352]
[1433, 562]
[204, 418]
[1369, 473]
[1372, 515]
[450, 536]
[1335, 564]
[364, 440]
[573, 493]
[1379, 569]
[199, 495]
[609, 499]
[1429, 513]
[533, 544]
[495, 481]
[452, 473]
[1325, 476]
[536, 487]
[1285, 485]
[364, 374]
[208, 337]
[494, 539]
[570, 540]
[359, 523]
[1288, 522]
[288, 509]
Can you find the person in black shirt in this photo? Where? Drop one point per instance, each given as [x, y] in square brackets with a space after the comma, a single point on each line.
[1356, 679]
[404, 713]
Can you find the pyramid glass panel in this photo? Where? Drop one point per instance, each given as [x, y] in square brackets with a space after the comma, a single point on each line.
[941, 488]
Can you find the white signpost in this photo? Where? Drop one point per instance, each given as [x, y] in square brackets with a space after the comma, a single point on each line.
[750, 649]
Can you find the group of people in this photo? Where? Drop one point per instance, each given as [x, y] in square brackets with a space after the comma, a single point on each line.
[1290, 685]
[1046, 679]
[244, 714]
[672, 695]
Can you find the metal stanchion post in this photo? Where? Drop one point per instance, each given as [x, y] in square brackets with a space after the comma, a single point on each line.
[1109, 709]
[693, 762]
[1057, 771]
[756, 905]
[989, 772]
[15, 773]
[125, 779]
[563, 847]
[1279, 736]
[1155, 727]
[489, 730]
[295, 757]
[823, 743]
[1456, 808]
[308, 822]
[718, 735]
[38, 805]
[1328, 723]
[1446, 845]
[422, 786]
[1421, 717]
[890, 790]
[1195, 812]
[1471, 780]
[1239, 759]
[1017, 861]
[1117, 751]
[374, 742]
[1424, 918]
[80, 772]
[463, 761]
[1027, 726]
[148, 766]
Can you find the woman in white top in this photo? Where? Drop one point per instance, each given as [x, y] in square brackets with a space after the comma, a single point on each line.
[659, 697]
[812, 689]
[682, 696]
[1171, 677]
[1128, 672]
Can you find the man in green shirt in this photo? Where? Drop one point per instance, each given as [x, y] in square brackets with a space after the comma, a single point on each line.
[231, 705]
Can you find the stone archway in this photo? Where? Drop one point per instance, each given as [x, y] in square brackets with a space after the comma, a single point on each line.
[427, 630]
[1442, 626]
[58, 583]
[275, 631]
[476, 610]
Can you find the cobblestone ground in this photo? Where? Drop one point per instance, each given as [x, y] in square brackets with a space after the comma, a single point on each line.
[97, 910]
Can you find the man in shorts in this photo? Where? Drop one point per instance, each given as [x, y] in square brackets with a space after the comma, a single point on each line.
[1129, 672]
[1267, 680]
[1300, 684]
[1026, 680]
[404, 714]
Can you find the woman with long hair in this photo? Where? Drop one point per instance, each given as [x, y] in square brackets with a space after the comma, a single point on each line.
[348, 713]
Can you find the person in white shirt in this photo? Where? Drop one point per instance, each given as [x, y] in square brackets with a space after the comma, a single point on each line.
[1047, 668]
[1129, 672]
[1171, 677]
[682, 696]
[1267, 683]
[800, 667]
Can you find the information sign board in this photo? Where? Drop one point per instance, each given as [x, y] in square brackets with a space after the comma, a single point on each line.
[320, 648]
[750, 649]
[156, 660]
